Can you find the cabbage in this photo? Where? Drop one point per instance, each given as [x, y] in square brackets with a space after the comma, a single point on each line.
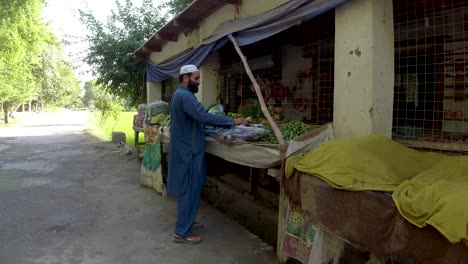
[215, 110]
[158, 107]
[159, 118]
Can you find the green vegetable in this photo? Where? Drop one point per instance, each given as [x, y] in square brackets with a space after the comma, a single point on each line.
[215, 110]
[266, 124]
[159, 118]
[293, 129]
[277, 117]
[290, 130]
[166, 121]
[211, 106]
[243, 109]
[255, 110]
[158, 107]
[269, 138]
[234, 115]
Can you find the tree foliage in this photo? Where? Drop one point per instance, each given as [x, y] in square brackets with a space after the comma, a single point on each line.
[97, 98]
[21, 37]
[55, 79]
[92, 91]
[177, 6]
[112, 43]
[25, 52]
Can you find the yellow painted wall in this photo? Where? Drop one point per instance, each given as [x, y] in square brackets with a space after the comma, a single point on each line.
[208, 25]
[209, 73]
[364, 68]
[154, 91]
[364, 62]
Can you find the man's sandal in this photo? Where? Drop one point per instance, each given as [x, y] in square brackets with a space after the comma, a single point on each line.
[188, 240]
[198, 225]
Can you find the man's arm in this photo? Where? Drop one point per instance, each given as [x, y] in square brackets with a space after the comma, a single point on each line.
[196, 111]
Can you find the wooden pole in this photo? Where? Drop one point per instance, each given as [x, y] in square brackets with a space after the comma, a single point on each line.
[265, 111]
[282, 147]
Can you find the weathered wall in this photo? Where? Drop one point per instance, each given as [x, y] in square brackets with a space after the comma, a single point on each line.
[154, 91]
[364, 68]
[210, 68]
[364, 64]
[209, 72]
[253, 214]
[209, 24]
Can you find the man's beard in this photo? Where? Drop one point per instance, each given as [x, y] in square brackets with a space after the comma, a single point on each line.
[192, 87]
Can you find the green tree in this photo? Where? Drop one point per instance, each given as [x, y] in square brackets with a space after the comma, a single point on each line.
[93, 93]
[22, 37]
[177, 6]
[31, 61]
[57, 84]
[112, 43]
[96, 98]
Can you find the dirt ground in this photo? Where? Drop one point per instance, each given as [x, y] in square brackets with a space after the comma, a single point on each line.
[64, 198]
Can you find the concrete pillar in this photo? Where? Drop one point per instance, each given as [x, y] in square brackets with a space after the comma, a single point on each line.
[364, 68]
[209, 72]
[154, 91]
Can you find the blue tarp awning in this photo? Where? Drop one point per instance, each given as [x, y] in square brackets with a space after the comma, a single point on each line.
[246, 31]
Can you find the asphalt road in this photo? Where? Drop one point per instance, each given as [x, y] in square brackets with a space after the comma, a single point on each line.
[64, 198]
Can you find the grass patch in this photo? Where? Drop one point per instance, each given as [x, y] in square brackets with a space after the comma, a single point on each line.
[18, 118]
[11, 122]
[104, 128]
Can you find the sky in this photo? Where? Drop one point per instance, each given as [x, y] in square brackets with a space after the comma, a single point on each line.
[64, 20]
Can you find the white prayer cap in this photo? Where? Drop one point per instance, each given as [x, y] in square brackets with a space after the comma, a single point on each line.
[188, 69]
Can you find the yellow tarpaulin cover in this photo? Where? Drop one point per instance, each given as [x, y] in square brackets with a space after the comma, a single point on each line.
[366, 163]
[429, 188]
[438, 197]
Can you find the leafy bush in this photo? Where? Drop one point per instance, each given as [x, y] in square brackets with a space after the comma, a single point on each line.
[108, 108]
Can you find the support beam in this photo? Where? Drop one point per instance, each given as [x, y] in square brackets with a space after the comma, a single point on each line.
[283, 144]
[166, 36]
[152, 47]
[282, 213]
[154, 91]
[184, 23]
[146, 51]
[233, 2]
[210, 71]
[252, 181]
[364, 68]
[230, 2]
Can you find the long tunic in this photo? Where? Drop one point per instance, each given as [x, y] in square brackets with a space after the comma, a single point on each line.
[187, 147]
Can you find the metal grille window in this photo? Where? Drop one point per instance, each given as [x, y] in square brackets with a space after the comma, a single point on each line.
[294, 68]
[431, 72]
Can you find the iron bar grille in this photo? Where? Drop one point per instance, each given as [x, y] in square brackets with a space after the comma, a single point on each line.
[295, 70]
[431, 70]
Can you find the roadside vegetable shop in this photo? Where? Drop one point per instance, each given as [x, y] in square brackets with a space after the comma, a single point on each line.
[305, 72]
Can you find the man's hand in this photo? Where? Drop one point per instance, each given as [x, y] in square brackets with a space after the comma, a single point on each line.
[240, 121]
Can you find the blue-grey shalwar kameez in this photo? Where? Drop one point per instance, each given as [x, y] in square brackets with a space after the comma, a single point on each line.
[187, 170]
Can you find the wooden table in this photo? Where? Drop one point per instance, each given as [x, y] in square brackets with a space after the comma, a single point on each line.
[137, 142]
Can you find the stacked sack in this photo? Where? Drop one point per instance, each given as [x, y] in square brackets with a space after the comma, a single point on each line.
[157, 114]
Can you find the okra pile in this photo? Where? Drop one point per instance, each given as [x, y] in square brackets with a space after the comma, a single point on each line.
[290, 130]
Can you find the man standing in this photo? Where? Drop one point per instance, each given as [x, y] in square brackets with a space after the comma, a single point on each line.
[187, 171]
